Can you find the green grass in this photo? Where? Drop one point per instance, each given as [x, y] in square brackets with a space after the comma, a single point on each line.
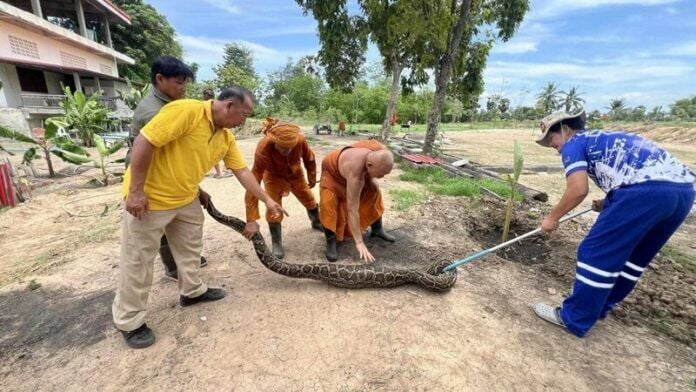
[33, 285]
[679, 257]
[405, 199]
[440, 182]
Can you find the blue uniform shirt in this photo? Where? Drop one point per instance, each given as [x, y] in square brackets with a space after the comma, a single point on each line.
[615, 159]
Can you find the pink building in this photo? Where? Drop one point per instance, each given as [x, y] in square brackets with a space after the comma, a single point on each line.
[45, 43]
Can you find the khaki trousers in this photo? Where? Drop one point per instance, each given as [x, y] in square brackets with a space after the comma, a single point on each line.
[140, 241]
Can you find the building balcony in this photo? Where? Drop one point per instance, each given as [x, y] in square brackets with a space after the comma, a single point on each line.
[36, 103]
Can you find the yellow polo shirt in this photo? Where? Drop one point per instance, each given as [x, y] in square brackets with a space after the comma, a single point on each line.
[187, 148]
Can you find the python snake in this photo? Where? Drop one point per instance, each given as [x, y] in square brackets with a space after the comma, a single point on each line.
[352, 276]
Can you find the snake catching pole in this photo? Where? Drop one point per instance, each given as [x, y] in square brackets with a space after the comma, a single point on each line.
[507, 243]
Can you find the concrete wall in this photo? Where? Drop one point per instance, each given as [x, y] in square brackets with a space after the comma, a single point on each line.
[9, 95]
[53, 81]
[50, 51]
[14, 119]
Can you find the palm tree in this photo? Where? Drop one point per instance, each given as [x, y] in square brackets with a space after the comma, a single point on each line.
[657, 114]
[548, 98]
[572, 100]
[617, 108]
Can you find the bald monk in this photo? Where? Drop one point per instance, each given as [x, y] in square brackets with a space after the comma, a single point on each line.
[277, 163]
[349, 195]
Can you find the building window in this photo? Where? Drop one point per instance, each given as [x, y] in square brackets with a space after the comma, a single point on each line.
[24, 47]
[32, 80]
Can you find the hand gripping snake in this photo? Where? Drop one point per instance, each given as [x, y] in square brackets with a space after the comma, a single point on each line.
[352, 276]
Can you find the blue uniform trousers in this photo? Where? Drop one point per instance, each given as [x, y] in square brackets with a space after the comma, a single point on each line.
[637, 220]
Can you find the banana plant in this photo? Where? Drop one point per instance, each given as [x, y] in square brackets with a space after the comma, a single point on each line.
[104, 153]
[133, 95]
[511, 180]
[49, 144]
[84, 113]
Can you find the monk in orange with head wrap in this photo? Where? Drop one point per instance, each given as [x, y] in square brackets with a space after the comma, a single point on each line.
[350, 197]
[277, 163]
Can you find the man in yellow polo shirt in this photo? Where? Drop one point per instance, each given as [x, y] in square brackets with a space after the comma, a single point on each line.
[170, 157]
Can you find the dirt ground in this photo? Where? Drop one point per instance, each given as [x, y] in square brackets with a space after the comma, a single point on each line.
[276, 333]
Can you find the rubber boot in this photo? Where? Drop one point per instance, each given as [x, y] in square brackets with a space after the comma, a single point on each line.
[314, 218]
[378, 231]
[331, 250]
[277, 238]
[167, 259]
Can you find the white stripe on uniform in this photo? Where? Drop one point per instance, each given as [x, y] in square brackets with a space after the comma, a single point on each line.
[593, 283]
[576, 165]
[635, 267]
[629, 277]
[597, 270]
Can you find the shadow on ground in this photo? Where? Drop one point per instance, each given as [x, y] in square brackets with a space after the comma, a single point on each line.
[52, 320]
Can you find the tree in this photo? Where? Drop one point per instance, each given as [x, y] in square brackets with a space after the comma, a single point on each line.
[134, 95]
[454, 108]
[571, 100]
[684, 109]
[343, 41]
[84, 113]
[617, 109]
[549, 98]
[48, 144]
[657, 114]
[237, 67]
[296, 83]
[472, 28]
[149, 36]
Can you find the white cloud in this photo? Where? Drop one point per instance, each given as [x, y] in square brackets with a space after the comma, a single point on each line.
[207, 52]
[598, 72]
[515, 47]
[550, 8]
[683, 49]
[225, 5]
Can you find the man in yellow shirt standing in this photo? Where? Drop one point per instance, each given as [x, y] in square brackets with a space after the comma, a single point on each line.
[170, 157]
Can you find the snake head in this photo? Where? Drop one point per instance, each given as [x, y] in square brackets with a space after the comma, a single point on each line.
[437, 267]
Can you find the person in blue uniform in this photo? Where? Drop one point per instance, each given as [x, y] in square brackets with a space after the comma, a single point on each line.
[649, 193]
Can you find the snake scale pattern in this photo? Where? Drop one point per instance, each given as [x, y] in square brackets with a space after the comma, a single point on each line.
[352, 276]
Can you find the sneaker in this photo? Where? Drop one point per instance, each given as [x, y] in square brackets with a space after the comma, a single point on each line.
[549, 313]
[139, 338]
[210, 295]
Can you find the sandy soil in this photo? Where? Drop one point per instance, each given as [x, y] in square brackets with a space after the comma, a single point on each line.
[276, 333]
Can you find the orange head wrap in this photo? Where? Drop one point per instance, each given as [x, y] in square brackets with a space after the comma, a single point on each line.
[282, 134]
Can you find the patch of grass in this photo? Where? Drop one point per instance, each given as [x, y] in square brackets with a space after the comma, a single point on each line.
[679, 257]
[316, 142]
[440, 182]
[33, 285]
[405, 199]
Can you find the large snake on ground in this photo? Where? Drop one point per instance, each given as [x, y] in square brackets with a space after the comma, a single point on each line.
[352, 276]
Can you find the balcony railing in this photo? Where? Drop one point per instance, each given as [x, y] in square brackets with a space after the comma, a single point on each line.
[51, 102]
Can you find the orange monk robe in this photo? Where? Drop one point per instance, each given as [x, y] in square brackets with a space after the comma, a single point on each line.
[333, 209]
[281, 175]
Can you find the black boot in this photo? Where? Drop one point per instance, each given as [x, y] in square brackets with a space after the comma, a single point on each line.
[331, 251]
[314, 218]
[277, 238]
[167, 259]
[378, 231]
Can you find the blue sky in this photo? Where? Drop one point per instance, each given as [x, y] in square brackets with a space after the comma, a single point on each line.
[640, 50]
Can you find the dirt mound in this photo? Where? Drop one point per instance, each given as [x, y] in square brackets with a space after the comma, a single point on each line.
[662, 300]
[660, 133]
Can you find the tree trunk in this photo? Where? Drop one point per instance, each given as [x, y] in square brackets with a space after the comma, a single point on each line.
[397, 67]
[443, 76]
[47, 154]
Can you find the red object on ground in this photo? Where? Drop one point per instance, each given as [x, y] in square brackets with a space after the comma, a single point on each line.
[420, 159]
[7, 197]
